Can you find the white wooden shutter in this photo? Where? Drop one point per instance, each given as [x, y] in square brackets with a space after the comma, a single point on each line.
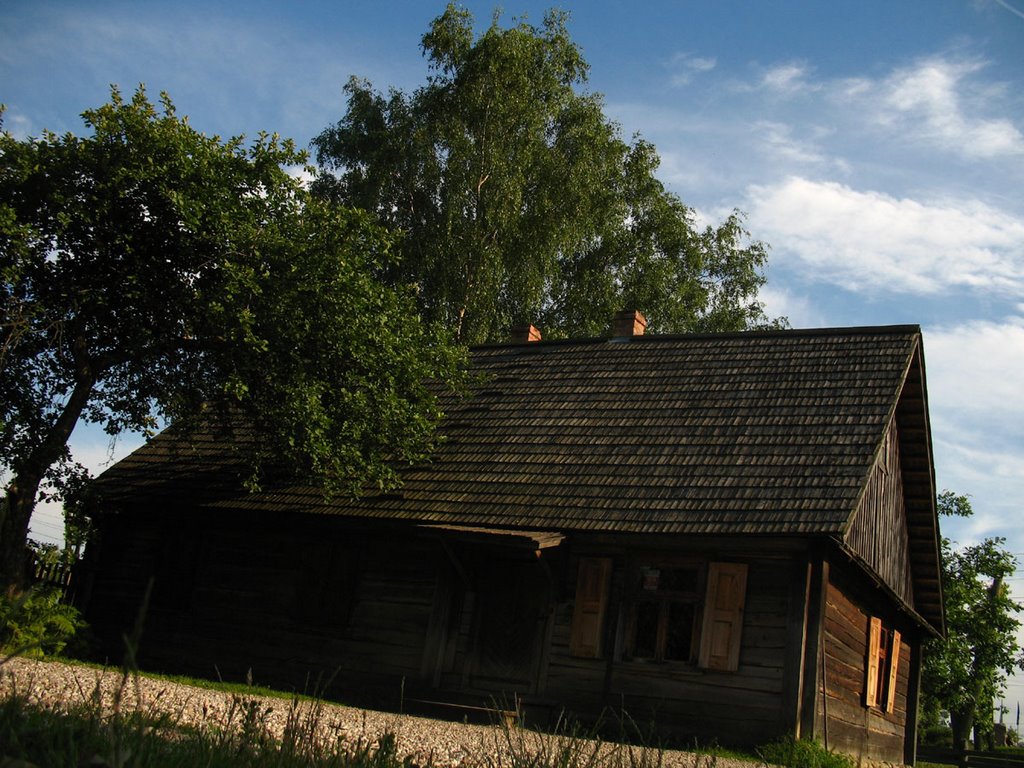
[722, 629]
[591, 601]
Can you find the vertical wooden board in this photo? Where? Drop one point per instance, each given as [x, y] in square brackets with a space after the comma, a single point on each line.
[871, 685]
[723, 616]
[591, 602]
[894, 657]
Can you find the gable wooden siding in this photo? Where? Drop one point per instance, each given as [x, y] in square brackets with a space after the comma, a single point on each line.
[879, 530]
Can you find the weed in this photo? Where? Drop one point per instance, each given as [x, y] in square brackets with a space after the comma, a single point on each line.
[88, 733]
[35, 623]
[803, 753]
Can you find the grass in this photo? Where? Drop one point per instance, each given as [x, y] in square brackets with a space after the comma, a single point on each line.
[803, 753]
[90, 732]
[223, 686]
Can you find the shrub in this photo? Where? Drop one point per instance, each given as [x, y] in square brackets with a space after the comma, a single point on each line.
[35, 623]
[803, 753]
[937, 736]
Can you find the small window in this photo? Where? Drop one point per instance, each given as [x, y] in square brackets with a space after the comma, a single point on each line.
[690, 612]
[663, 625]
[883, 656]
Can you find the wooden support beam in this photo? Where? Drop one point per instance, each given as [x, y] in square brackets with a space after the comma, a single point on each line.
[796, 642]
[812, 723]
[913, 699]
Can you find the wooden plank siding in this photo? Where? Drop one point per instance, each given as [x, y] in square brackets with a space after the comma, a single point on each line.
[741, 707]
[250, 605]
[849, 725]
[878, 533]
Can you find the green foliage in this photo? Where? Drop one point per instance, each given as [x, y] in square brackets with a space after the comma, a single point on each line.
[965, 671]
[803, 753]
[149, 270]
[36, 623]
[936, 736]
[519, 200]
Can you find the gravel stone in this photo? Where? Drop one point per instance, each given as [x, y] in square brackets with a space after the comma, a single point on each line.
[445, 744]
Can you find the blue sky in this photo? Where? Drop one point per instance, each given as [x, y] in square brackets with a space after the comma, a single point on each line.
[877, 147]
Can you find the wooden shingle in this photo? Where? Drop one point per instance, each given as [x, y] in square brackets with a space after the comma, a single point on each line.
[761, 432]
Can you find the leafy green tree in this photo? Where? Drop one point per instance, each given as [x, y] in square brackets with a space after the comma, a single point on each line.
[153, 273]
[966, 670]
[519, 200]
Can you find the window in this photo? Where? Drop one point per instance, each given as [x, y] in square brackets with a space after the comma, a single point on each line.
[673, 611]
[663, 623]
[883, 659]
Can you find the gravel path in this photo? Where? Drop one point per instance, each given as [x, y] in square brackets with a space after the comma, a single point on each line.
[447, 744]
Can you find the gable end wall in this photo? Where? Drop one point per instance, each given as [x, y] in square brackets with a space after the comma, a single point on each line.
[879, 531]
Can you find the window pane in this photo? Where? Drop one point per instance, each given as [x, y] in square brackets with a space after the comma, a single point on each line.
[679, 635]
[650, 579]
[678, 580]
[645, 640]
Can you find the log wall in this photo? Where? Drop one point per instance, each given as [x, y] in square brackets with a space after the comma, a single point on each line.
[744, 707]
[849, 725]
[295, 600]
[300, 598]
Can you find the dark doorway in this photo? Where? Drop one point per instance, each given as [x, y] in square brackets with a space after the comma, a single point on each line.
[513, 597]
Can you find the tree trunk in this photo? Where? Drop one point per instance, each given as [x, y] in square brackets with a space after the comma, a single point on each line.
[962, 723]
[20, 498]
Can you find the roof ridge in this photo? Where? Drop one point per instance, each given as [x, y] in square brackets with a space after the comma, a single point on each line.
[851, 330]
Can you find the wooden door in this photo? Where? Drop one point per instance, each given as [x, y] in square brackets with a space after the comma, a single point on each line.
[513, 599]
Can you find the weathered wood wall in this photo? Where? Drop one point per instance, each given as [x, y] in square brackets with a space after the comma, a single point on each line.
[293, 599]
[741, 707]
[879, 531]
[851, 726]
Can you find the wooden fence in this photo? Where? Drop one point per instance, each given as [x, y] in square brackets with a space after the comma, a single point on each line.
[969, 758]
[58, 575]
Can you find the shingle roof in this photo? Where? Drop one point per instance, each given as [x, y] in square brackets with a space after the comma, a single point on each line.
[759, 432]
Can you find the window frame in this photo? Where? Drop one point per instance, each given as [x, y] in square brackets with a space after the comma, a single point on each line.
[664, 599]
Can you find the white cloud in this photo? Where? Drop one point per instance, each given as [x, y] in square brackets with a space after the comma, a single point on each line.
[780, 143]
[1010, 8]
[871, 241]
[787, 78]
[18, 125]
[974, 372]
[800, 310]
[935, 102]
[685, 66]
[304, 174]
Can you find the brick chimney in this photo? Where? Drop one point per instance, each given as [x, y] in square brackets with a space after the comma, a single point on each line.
[520, 334]
[630, 322]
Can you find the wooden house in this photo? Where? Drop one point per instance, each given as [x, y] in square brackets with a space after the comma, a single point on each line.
[733, 536]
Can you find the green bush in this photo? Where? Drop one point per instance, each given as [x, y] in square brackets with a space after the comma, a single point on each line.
[937, 736]
[35, 623]
[803, 753]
